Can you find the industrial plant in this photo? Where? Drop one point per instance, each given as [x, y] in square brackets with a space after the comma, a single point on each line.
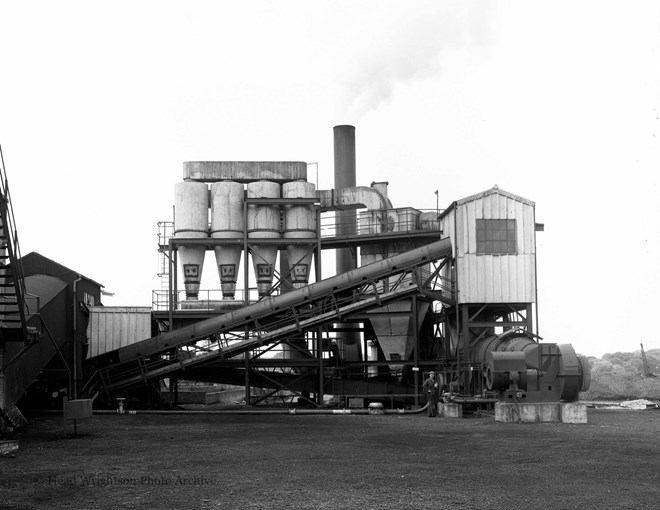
[410, 291]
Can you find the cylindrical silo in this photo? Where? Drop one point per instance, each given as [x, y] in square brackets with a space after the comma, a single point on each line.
[264, 223]
[227, 222]
[191, 221]
[300, 223]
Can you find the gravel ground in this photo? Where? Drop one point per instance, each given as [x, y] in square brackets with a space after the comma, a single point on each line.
[336, 461]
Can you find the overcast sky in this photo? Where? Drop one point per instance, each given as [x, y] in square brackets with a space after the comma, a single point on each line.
[559, 102]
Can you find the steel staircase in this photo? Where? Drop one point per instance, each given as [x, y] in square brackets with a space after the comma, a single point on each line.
[13, 307]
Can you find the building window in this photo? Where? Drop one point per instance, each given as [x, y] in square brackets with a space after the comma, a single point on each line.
[88, 299]
[496, 237]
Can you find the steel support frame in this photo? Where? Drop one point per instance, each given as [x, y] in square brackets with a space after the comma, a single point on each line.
[317, 335]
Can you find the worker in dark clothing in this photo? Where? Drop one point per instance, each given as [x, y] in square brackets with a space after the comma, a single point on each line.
[431, 389]
[334, 354]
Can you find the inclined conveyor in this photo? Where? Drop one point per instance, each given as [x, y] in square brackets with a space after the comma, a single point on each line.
[274, 319]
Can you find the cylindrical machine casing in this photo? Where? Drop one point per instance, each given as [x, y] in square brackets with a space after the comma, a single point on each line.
[264, 223]
[550, 371]
[227, 222]
[191, 221]
[524, 344]
[300, 223]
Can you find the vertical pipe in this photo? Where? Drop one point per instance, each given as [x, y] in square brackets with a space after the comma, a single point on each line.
[247, 374]
[344, 145]
[465, 333]
[416, 357]
[319, 277]
[536, 284]
[75, 340]
[175, 294]
[344, 153]
[246, 267]
[170, 289]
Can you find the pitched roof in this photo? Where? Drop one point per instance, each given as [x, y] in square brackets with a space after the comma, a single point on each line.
[495, 190]
[52, 263]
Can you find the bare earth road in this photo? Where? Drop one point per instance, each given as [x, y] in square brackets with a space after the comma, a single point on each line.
[339, 461]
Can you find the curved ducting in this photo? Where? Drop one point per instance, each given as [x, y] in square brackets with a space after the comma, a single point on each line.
[358, 197]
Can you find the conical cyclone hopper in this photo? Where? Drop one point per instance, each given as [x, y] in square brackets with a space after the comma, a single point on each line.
[227, 223]
[191, 212]
[300, 223]
[263, 223]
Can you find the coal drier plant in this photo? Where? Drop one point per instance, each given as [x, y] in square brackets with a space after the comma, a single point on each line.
[449, 290]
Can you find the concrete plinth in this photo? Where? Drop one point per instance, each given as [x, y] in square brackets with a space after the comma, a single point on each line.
[543, 412]
[450, 410]
[574, 412]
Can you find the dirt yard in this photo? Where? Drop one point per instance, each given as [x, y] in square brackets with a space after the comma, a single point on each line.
[337, 461]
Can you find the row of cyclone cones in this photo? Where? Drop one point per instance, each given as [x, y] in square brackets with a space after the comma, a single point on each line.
[225, 201]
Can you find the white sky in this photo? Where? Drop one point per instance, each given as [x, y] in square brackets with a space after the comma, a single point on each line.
[559, 102]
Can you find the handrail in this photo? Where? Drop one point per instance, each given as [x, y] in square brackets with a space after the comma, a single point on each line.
[13, 248]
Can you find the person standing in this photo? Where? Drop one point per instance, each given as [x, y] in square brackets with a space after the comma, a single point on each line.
[431, 388]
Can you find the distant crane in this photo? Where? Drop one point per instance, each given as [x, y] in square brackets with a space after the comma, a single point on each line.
[645, 364]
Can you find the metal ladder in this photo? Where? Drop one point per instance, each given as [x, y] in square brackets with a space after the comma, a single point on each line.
[13, 307]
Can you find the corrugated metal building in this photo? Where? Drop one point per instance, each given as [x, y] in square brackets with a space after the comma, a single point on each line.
[112, 327]
[494, 244]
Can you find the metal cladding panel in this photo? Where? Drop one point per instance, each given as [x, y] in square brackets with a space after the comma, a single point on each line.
[244, 171]
[110, 328]
[494, 278]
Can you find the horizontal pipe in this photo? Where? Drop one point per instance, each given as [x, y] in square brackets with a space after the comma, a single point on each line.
[246, 411]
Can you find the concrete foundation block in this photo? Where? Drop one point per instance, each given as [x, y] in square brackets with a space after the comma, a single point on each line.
[527, 412]
[543, 412]
[450, 410]
[573, 412]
